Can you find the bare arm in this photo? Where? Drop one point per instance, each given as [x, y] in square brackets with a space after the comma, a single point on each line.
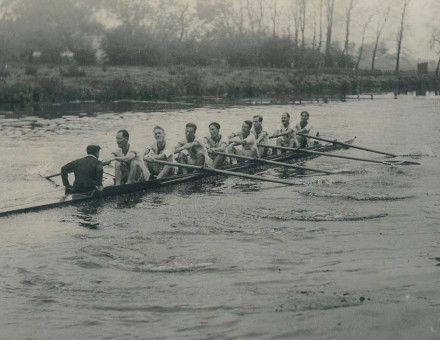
[127, 158]
[262, 136]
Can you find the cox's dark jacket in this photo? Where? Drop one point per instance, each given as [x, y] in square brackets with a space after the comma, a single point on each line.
[88, 173]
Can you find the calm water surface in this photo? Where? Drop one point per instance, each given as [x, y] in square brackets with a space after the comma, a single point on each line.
[349, 256]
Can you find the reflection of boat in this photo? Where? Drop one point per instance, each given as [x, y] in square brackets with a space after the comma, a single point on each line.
[154, 184]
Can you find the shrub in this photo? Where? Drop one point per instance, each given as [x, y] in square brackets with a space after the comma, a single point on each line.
[31, 70]
[72, 71]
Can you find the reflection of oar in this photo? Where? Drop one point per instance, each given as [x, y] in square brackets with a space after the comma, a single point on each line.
[390, 163]
[225, 172]
[267, 161]
[346, 145]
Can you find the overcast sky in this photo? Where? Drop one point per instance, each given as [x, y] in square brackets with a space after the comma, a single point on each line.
[422, 15]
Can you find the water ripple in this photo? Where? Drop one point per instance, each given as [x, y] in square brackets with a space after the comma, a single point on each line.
[314, 216]
[358, 197]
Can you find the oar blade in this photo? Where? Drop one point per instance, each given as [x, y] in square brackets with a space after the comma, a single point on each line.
[402, 163]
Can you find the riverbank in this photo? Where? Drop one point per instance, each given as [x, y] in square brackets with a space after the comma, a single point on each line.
[21, 84]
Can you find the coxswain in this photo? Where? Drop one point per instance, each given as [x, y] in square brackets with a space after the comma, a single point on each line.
[88, 172]
[158, 151]
[129, 168]
[190, 150]
[285, 134]
[303, 127]
[215, 142]
[261, 136]
[243, 142]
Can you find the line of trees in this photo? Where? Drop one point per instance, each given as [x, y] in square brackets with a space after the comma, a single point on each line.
[299, 33]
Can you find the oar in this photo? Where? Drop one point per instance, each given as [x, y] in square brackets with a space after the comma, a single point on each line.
[346, 145]
[280, 135]
[390, 163]
[267, 161]
[59, 174]
[49, 179]
[225, 172]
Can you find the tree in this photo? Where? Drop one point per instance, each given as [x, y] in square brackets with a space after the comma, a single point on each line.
[435, 44]
[361, 47]
[328, 42]
[351, 4]
[295, 16]
[53, 27]
[400, 34]
[302, 20]
[274, 17]
[379, 29]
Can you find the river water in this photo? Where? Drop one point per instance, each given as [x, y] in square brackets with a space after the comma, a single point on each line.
[355, 255]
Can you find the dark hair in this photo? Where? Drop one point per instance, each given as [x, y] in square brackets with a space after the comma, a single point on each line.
[125, 133]
[287, 113]
[93, 149]
[260, 118]
[191, 125]
[217, 125]
[158, 127]
[308, 114]
[248, 123]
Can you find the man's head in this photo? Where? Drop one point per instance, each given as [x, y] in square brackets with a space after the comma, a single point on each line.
[257, 121]
[246, 127]
[214, 129]
[190, 131]
[285, 118]
[305, 116]
[93, 150]
[122, 138]
[159, 133]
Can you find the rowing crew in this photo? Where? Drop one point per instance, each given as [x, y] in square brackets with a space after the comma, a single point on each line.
[131, 167]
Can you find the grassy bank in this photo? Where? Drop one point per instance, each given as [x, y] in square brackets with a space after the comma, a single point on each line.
[42, 83]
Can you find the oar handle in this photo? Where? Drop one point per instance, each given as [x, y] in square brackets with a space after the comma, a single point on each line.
[345, 144]
[54, 175]
[225, 172]
[281, 134]
[268, 161]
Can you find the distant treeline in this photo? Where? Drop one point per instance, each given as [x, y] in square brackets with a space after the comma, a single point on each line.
[170, 32]
[184, 83]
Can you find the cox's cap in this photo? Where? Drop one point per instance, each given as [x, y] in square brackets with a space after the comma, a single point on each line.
[93, 149]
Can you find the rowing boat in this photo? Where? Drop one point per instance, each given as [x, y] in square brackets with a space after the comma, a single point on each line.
[110, 191]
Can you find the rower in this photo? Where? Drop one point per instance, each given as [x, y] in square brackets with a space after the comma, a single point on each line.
[158, 151]
[215, 142]
[261, 136]
[190, 151]
[288, 139]
[303, 127]
[129, 168]
[243, 142]
[88, 172]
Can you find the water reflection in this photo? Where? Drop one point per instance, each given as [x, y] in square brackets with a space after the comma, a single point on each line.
[129, 201]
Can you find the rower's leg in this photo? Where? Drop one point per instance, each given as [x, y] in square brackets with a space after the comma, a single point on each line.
[164, 172]
[219, 160]
[118, 173]
[138, 172]
[200, 159]
[232, 149]
[182, 158]
[279, 143]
